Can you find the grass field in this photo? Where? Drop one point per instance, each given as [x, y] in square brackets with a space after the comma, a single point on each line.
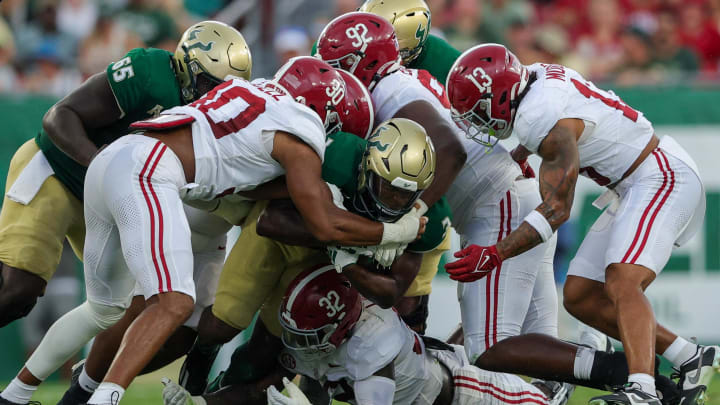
[146, 390]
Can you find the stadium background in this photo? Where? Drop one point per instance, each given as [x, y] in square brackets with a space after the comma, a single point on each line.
[661, 56]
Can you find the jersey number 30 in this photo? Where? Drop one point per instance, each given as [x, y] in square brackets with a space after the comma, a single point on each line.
[122, 69]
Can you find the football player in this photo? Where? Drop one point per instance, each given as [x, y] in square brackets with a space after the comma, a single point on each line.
[357, 117]
[226, 322]
[361, 353]
[655, 200]
[262, 267]
[236, 138]
[43, 201]
[487, 196]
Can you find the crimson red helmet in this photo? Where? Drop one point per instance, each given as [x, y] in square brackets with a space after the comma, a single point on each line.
[364, 44]
[315, 84]
[318, 310]
[358, 114]
[483, 87]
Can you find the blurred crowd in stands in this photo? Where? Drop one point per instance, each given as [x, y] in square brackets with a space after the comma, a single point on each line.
[50, 46]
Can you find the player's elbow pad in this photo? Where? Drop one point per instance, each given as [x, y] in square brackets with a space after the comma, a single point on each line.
[374, 390]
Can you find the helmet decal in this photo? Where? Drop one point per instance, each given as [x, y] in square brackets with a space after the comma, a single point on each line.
[336, 91]
[332, 302]
[358, 35]
[485, 85]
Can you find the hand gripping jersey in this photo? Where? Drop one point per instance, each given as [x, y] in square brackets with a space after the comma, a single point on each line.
[233, 131]
[614, 134]
[144, 84]
[485, 174]
[379, 338]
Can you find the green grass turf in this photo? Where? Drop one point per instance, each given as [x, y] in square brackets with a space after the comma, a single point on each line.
[147, 390]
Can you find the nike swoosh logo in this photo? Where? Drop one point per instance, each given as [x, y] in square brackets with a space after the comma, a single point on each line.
[481, 265]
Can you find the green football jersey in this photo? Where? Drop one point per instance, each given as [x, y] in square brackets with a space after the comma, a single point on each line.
[144, 84]
[437, 57]
[343, 156]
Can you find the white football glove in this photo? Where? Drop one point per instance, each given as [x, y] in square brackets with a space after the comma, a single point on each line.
[295, 395]
[385, 255]
[342, 256]
[174, 394]
[405, 229]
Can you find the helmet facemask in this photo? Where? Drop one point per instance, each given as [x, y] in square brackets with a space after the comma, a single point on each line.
[384, 201]
[478, 126]
[308, 345]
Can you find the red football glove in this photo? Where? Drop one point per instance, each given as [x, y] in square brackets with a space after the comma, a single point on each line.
[527, 170]
[476, 262]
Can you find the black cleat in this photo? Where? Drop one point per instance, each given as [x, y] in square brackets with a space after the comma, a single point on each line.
[75, 395]
[630, 394]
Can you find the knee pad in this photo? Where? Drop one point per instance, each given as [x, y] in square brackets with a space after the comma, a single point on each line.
[104, 316]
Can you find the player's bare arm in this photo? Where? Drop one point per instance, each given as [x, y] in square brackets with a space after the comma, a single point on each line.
[67, 122]
[385, 288]
[312, 197]
[282, 221]
[558, 176]
[451, 155]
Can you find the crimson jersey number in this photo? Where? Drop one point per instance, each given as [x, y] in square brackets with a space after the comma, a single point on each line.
[586, 91]
[230, 108]
[432, 84]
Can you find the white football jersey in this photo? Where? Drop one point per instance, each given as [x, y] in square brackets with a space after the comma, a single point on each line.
[614, 134]
[379, 338]
[233, 136]
[486, 173]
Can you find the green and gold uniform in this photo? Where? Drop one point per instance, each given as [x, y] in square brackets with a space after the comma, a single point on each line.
[258, 269]
[32, 234]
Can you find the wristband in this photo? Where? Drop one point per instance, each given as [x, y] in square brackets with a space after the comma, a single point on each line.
[541, 225]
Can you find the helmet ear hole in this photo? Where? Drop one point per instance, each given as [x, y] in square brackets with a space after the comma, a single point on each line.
[503, 97]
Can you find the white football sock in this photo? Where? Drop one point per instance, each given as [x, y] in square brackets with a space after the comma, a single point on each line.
[18, 392]
[645, 381]
[584, 359]
[107, 394]
[680, 351]
[86, 382]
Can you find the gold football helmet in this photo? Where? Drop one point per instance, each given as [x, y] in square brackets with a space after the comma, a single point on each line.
[411, 20]
[211, 50]
[398, 165]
